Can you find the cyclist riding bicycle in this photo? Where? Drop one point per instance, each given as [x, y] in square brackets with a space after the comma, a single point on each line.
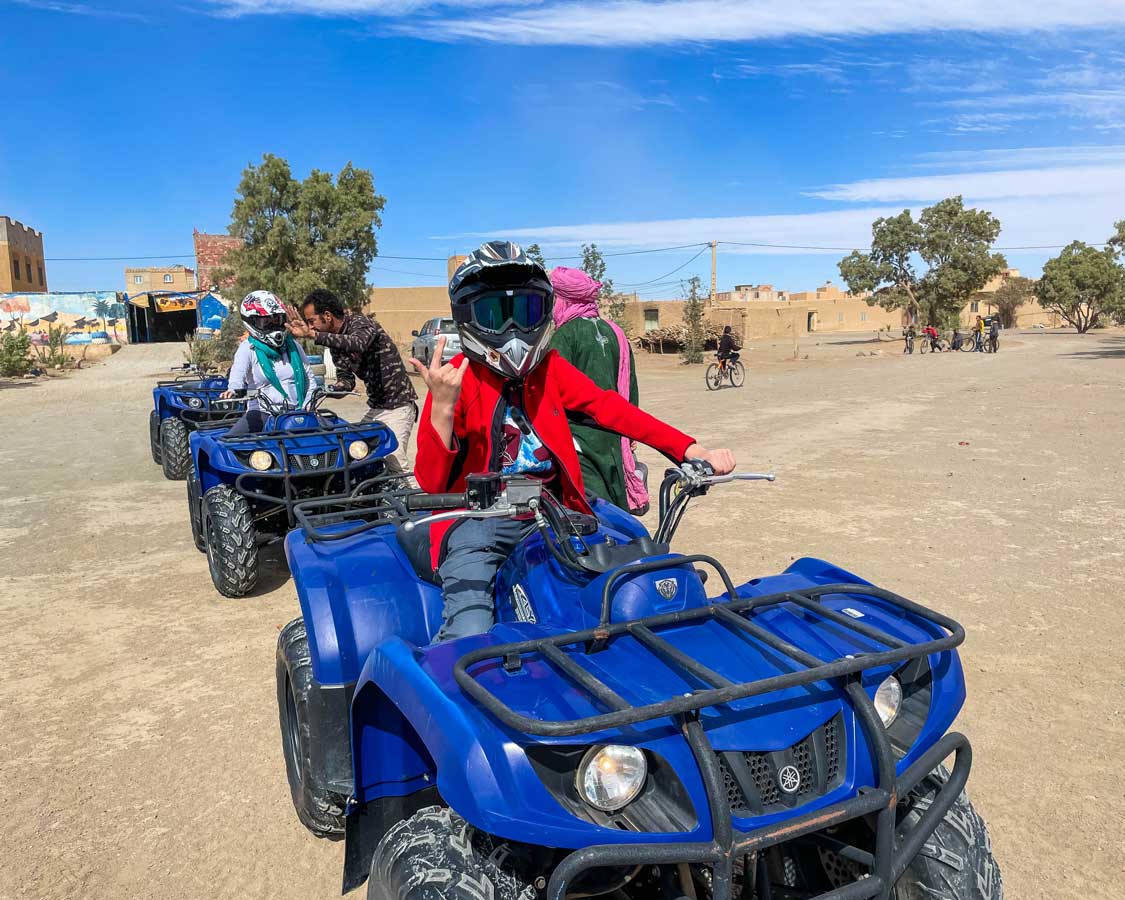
[727, 352]
[931, 334]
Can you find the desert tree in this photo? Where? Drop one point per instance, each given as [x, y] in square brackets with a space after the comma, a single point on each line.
[1083, 285]
[302, 235]
[929, 267]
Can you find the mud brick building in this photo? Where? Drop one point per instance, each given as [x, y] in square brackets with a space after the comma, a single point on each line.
[210, 249]
[22, 266]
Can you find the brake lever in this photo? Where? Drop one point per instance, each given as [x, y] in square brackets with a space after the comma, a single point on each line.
[746, 476]
[493, 512]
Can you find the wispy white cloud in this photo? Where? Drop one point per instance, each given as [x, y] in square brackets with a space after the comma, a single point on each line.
[1020, 157]
[80, 9]
[394, 8]
[1028, 222]
[1043, 182]
[1044, 206]
[647, 22]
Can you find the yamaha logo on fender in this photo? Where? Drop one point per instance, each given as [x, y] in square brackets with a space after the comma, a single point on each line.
[667, 587]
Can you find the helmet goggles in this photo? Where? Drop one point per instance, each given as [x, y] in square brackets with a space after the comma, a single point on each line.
[496, 311]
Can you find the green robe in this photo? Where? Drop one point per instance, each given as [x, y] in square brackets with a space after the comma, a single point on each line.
[590, 345]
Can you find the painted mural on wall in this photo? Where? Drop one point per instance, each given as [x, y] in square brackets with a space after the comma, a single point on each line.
[91, 316]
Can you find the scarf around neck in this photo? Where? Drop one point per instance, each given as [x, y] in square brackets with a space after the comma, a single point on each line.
[268, 356]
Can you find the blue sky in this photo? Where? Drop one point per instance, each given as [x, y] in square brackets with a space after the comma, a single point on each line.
[636, 124]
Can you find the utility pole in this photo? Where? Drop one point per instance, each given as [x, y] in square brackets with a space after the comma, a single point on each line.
[714, 261]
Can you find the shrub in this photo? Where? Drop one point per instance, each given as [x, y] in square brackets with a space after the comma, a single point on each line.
[15, 353]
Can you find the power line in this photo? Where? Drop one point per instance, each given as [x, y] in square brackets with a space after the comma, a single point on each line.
[631, 252]
[848, 249]
[442, 259]
[114, 258]
[660, 278]
[404, 272]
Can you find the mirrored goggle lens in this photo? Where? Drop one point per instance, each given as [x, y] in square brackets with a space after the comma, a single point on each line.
[493, 312]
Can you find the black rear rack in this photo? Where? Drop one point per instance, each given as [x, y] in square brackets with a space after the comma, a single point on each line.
[892, 853]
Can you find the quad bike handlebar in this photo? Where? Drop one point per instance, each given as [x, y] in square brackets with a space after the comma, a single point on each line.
[318, 396]
[492, 496]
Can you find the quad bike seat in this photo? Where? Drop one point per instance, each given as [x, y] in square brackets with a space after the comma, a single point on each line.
[416, 545]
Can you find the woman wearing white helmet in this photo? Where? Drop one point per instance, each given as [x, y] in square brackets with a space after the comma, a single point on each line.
[269, 362]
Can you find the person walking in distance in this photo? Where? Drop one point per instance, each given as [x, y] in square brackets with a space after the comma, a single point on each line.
[599, 349]
[994, 334]
[362, 349]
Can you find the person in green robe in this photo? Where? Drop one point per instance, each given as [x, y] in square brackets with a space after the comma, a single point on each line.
[600, 350]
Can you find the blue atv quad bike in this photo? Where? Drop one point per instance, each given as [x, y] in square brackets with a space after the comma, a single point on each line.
[242, 488]
[180, 405]
[630, 728]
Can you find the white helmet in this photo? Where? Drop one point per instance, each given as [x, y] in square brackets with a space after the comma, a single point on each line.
[264, 317]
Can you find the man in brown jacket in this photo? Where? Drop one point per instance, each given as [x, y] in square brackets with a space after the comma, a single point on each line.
[362, 349]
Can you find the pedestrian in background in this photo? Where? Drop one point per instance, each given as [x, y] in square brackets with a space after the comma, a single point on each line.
[362, 349]
[601, 351]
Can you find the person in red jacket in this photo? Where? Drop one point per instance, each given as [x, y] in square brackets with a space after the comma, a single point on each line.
[501, 406]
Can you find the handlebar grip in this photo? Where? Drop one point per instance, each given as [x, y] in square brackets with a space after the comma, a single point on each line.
[418, 502]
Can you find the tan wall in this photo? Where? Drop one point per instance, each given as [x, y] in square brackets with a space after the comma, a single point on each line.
[152, 279]
[405, 309]
[19, 243]
[755, 319]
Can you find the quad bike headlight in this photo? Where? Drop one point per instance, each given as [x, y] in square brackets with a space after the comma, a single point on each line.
[611, 775]
[261, 460]
[194, 402]
[358, 449]
[888, 700]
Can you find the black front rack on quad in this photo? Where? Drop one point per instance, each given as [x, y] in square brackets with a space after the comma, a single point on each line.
[307, 467]
[211, 408]
[564, 652]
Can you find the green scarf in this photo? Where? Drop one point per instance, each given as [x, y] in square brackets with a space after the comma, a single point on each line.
[267, 356]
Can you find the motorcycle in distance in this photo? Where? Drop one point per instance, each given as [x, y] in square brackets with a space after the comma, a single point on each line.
[242, 488]
[622, 731]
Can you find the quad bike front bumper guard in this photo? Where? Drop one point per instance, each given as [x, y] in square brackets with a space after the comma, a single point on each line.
[213, 409]
[293, 464]
[892, 855]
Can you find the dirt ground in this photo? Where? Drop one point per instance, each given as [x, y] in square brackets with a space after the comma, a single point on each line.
[139, 748]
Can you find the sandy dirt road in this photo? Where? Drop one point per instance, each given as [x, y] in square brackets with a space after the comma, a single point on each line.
[139, 750]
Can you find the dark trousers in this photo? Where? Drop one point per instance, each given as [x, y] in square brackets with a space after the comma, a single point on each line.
[474, 551]
[252, 421]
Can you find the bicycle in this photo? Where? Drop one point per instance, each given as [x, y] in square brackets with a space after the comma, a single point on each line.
[930, 344]
[908, 340]
[731, 370]
[970, 344]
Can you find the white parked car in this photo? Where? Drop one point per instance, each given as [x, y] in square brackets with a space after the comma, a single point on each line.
[425, 340]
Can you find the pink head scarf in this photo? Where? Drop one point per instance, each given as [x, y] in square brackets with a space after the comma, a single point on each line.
[576, 297]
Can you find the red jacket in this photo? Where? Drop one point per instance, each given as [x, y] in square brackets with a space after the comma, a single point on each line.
[553, 387]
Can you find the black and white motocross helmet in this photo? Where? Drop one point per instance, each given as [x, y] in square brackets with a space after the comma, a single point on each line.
[502, 303]
[264, 317]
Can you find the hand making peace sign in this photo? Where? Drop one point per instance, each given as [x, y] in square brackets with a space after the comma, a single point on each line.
[443, 381]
